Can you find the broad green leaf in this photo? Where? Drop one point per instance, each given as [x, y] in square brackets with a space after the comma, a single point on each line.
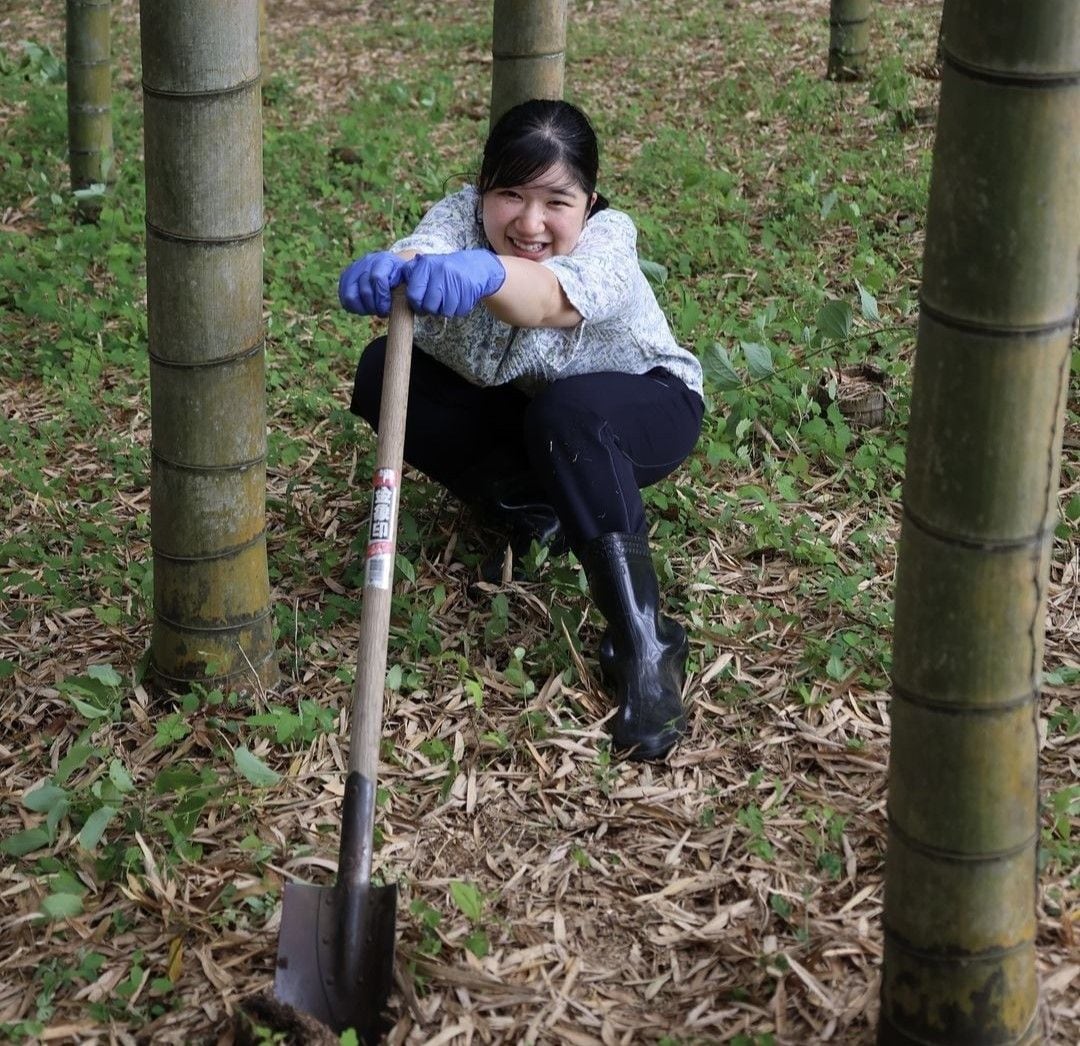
[7, 668]
[22, 843]
[171, 729]
[834, 320]
[254, 769]
[868, 303]
[266, 718]
[57, 813]
[469, 899]
[654, 271]
[87, 710]
[43, 798]
[758, 359]
[107, 615]
[477, 943]
[786, 487]
[719, 369]
[404, 567]
[105, 674]
[95, 826]
[78, 756]
[1072, 509]
[177, 779]
[120, 777]
[86, 686]
[394, 677]
[92, 192]
[286, 725]
[62, 905]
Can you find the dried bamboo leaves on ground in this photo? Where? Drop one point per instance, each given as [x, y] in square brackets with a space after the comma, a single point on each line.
[735, 891]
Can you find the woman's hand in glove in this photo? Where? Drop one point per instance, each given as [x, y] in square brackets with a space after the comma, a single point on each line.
[365, 285]
[452, 284]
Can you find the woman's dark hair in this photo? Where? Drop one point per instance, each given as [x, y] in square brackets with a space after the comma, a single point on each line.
[531, 138]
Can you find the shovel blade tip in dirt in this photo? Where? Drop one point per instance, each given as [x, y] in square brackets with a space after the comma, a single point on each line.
[309, 970]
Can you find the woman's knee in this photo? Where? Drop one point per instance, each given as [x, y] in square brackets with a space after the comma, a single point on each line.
[558, 411]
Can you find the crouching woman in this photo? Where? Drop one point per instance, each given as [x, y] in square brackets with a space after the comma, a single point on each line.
[547, 387]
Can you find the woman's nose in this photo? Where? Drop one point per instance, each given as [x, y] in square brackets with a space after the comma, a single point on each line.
[531, 218]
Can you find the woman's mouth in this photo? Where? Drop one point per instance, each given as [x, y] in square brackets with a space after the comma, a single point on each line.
[529, 248]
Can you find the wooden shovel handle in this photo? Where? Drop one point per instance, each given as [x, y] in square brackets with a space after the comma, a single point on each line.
[367, 695]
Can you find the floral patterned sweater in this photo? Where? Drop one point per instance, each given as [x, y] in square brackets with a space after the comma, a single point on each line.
[623, 328]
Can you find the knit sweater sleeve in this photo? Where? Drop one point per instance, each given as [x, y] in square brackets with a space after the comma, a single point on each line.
[450, 225]
[602, 273]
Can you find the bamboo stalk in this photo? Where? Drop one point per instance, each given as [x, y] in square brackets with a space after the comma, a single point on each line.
[203, 144]
[528, 52]
[1001, 277]
[849, 39]
[90, 144]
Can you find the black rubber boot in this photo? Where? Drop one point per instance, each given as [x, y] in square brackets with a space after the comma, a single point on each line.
[523, 522]
[642, 653]
[512, 504]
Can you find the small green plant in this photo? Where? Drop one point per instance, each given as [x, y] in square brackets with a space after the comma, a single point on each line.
[605, 772]
[1059, 846]
[516, 675]
[427, 919]
[78, 792]
[96, 696]
[40, 65]
[470, 902]
[499, 619]
[301, 725]
[171, 729]
[891, 91]
[825, 834]
[262, 1034]
[753, 821]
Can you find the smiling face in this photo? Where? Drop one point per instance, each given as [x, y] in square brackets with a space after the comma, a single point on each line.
[538, 220]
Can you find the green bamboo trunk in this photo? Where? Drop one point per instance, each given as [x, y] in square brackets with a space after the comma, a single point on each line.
[849, 39]
[1001, 277]
[528, 52]
[203, 143]
[90, 145]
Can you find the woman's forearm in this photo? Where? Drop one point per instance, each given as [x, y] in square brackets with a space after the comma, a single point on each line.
[531, 296]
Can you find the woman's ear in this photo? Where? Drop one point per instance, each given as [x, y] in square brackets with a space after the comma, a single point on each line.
[592, 204]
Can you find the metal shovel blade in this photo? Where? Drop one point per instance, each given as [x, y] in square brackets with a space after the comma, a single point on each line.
[309, 973]
[336, 946]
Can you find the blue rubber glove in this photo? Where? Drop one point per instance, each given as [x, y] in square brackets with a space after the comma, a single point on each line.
[452, 284]
[365, 285]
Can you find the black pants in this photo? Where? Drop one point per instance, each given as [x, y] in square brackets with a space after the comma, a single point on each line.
[589, 443]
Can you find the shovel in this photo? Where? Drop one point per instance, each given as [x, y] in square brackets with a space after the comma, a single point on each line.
[335, 956]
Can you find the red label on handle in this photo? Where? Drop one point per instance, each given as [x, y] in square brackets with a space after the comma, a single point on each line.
[379, 567]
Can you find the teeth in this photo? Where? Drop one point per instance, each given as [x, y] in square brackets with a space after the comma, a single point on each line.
[532, 248]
